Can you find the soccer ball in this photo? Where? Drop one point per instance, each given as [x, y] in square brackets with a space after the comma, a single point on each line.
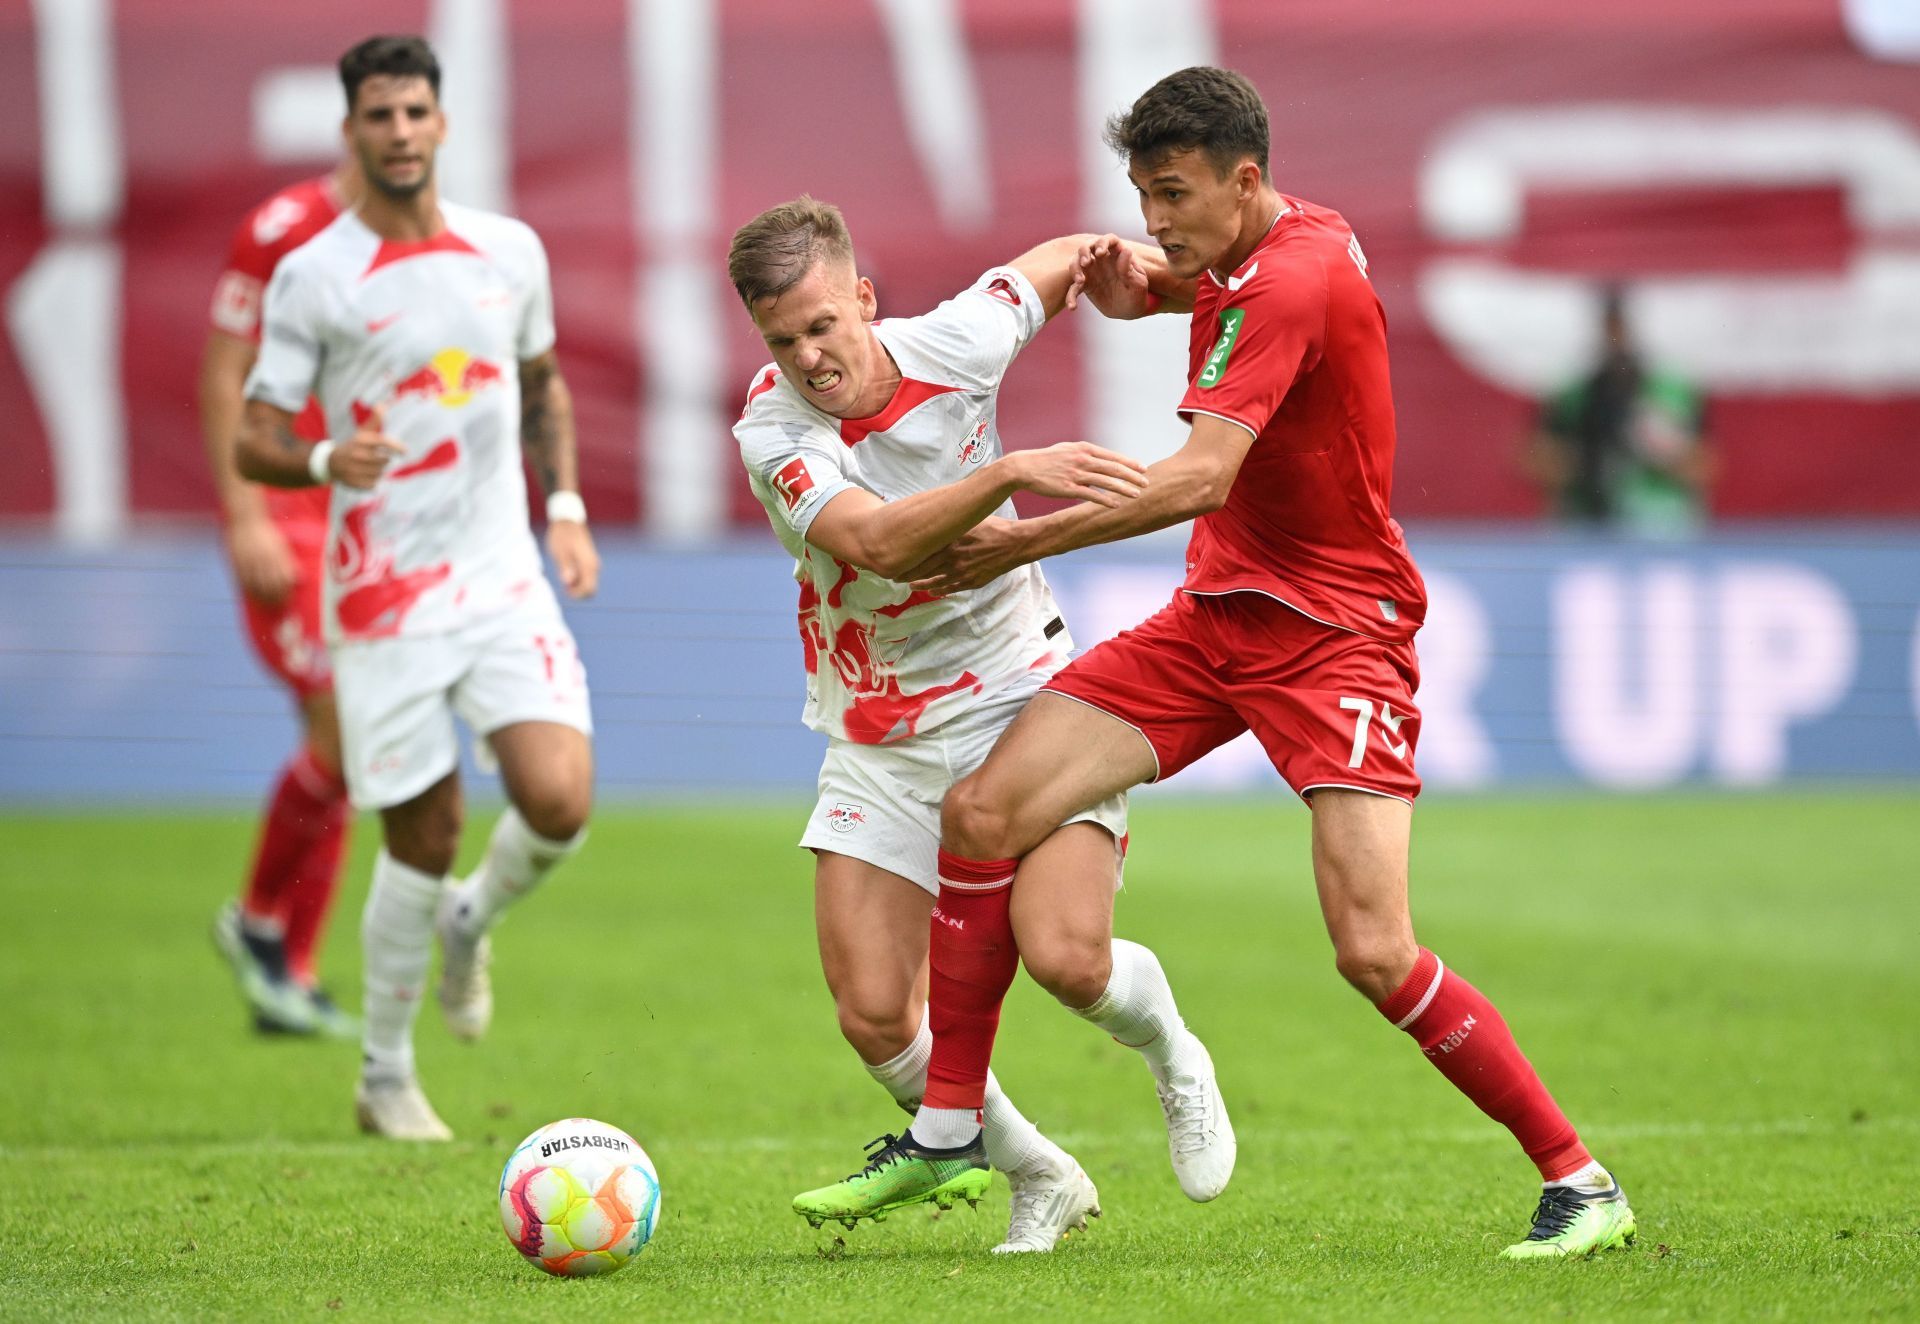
[579, 1197]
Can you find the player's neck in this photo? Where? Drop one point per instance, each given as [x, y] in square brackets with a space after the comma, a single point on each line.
[402, 219]
[882, 381]
[1257, 220]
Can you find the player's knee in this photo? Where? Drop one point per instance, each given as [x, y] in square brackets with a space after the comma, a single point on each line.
[878, 1028]
[1375, 964]
[972, 822]
[557, 811]
[428, 843]
[1075, 969]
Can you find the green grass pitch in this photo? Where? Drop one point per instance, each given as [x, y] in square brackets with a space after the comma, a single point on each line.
[1722, 991]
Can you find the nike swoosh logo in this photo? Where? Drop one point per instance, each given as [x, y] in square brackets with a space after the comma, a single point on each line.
[379, 324]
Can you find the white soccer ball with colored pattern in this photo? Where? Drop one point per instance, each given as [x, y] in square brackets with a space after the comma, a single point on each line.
[579, 1197]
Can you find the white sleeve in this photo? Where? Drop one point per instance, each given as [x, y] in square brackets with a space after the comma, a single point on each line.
[536, 334]
[795, 468]
[977, 332]
[291, 349]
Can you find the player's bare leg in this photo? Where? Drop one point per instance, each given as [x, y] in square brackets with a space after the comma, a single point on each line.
[1062, 915]
[872, 929]
[396, 933]
[548, 771]
[1360, 848]
[270, 936]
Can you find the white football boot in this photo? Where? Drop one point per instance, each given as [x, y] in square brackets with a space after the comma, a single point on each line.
[466, 987]
[397, 1110]
[1199, 1136]
[1052, 1200]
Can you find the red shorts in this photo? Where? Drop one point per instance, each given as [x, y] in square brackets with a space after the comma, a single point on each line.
[1330, 707]
[287, 635]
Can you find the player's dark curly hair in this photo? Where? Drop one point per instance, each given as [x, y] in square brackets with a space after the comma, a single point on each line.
[775, 250]
[392, 57]
[1215, 111]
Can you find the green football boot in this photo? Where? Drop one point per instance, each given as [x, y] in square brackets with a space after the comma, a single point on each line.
[900, 1173]
[1569, 1222]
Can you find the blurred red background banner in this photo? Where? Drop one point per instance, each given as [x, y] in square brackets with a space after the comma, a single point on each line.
[1750, 173]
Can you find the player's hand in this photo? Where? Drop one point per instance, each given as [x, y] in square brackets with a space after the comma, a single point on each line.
[262, 561]
[1079, 471]
[979, 556]
[574, 556]
[1112, 281]
[362, 458]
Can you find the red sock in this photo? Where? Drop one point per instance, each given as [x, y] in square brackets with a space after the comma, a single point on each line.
[307, 807]
[972, 961]
[309, 899]
[1462, 1034]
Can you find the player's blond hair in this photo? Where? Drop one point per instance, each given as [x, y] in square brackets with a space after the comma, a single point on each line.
[775, 250]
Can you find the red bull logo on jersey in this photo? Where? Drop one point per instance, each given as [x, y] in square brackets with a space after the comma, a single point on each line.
[452, 378]
[844, 817]
[974, 448]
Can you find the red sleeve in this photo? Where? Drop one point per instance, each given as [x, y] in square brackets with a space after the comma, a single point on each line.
[1267, 333]
[272, 230]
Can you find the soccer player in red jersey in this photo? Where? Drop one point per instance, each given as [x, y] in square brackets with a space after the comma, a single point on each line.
[275, 539]
[1296, 621]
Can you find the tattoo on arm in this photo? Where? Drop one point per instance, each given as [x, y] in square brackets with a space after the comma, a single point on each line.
[283, 433]
[546, 424]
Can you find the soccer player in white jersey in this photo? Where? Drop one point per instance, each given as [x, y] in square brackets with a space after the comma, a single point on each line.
[872, 446]
[426, 332]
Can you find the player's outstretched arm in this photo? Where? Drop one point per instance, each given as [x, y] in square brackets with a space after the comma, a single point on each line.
[271, 453]
[1124, 279]
[547, 436]
[1059, 268]
[891, 537]
[262, 562]
[1192, 481]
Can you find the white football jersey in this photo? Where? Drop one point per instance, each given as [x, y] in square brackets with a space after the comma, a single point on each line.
[434, 332]
[885, 662]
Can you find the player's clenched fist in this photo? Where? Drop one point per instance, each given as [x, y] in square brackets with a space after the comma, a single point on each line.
[362, 458]
[1080, 471]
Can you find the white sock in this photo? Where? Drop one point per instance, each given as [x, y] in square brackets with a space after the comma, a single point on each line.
[946, 1128]
[396, 938]
[518, 859]
[1138, 1008]
[1591, 1179]
[1010, 1138]
[904, 1075]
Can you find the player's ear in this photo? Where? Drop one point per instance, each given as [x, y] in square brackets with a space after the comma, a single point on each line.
[1249, 181]
[869, 301]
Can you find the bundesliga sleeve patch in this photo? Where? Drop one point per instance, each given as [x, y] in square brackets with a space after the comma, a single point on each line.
[1214, 371]
[793, 481]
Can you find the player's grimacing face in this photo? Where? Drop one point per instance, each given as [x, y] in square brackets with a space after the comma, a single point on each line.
[1190, 211]
[817, 332]
[393, 130]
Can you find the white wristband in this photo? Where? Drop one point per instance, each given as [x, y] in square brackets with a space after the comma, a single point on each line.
[566, 507]
[317, 461]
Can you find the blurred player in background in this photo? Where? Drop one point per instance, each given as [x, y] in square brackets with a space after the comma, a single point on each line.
[275, 540]
[426, 332]
[1623, 446]
[1296, 621]
[872, 445]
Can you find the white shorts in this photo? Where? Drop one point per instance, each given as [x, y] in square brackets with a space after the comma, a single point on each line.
[881, 803]
[398, 697]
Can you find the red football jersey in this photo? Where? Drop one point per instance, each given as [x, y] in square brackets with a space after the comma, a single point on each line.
[1293, 348]
[271, 231]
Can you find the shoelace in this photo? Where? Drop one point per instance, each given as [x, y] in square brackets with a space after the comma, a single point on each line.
[1027, 1202]
[1188, 1115]
[1559, 1206]
[882, 1152]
